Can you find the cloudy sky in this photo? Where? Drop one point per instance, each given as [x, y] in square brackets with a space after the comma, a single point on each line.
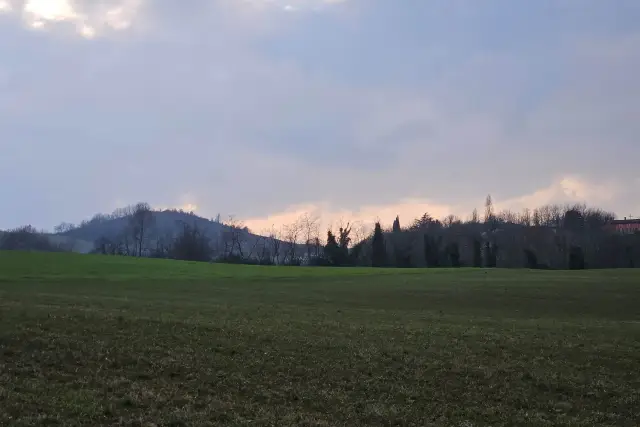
[345, 108]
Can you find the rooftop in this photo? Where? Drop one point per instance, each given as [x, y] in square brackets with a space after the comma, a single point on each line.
[626, 221]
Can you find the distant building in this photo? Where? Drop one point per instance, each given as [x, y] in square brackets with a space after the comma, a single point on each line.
[624, 226]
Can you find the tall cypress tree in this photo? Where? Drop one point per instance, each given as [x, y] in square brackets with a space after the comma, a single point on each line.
[379, 250]
[396, 225]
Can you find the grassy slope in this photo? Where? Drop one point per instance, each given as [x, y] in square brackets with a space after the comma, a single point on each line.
[105, 340]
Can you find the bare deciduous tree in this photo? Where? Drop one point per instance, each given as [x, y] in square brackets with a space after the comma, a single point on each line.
[64, 227]
[234, 237]
[360, 232]
[451, 220]
[556, 215]
[596, 218]
[291, 236]
[525, 217]
[536, 219]
[507, 217]
[192, 244]
[475, 218]
[258, 248]
[26, 238]
[274, 243]
[262, 250]
[310, 228]
[488, 211]
[140, 223]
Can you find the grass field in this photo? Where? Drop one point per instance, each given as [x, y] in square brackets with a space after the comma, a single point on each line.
[88, 340]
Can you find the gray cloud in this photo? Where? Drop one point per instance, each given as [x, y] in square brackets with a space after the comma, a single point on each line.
[188, 108]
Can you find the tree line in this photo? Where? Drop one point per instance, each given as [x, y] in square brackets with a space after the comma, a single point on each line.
[551, 236]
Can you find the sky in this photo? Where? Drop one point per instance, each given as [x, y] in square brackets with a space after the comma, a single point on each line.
[345, 109]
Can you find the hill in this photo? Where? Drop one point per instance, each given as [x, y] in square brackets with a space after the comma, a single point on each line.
[167, 221]
[166, 224]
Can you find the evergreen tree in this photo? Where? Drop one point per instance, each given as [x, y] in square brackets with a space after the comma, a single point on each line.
[424, 222]
[331, 249]
[432, 250]
[379, 250]
[396, 225]
[337, 250]
[344, 239]
[573, 220]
